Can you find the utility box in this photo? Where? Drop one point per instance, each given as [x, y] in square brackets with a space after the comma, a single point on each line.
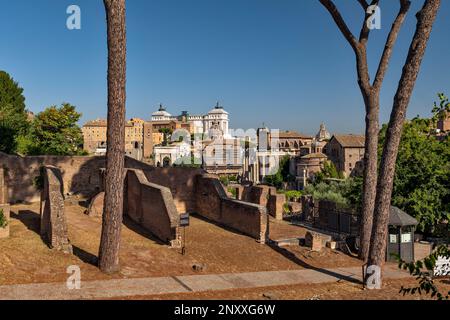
[400, 240]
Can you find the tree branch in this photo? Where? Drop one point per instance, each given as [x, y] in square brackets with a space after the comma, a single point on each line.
[390, 42]
[330, 6]
[363, 4]
[365, 31]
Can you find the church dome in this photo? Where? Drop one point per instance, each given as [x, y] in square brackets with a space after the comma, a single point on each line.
[323, 133]
[218, 110]
[161, 112]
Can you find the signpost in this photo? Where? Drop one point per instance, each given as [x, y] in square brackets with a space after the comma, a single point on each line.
[184, 222]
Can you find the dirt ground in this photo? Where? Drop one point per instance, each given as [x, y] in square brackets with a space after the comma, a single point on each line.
[24, 258]
[341, 290]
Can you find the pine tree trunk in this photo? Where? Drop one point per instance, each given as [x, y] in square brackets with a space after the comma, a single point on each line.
[426, 18]
[370, 173]
[115, 156]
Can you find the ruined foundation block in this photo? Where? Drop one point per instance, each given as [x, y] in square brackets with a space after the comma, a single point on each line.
[96, 206]
[316, 241]
[3, 188]
[295, 207]
[53, 219]
[332, 245]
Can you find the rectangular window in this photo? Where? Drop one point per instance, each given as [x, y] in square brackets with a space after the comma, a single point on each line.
[392, 238]
[406, 238]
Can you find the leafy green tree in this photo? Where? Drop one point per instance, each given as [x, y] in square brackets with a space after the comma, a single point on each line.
[282, 175]
[13, 116]
[275, 180]
[422, 177]
[55, 132]
[166, 133]
[329, 171]
[331, 191]
[439, 110]
[423, 271]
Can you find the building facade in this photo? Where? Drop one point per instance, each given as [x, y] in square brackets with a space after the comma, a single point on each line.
[347, 153]
[94, 137]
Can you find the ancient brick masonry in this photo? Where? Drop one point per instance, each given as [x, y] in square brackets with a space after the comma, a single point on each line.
[316, 241]
[267, 197]
[80, 175]
[4, 206]
[213, 204]
[3, 188]
[275, 205]
[155, 198]
[153, 207]
[53, 220]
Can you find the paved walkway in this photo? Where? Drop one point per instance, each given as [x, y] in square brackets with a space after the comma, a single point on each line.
[183, 284]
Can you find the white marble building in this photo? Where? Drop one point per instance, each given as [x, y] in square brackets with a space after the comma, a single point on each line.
[213, 125]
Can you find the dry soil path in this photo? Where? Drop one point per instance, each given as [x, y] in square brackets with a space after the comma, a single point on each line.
[105, 289]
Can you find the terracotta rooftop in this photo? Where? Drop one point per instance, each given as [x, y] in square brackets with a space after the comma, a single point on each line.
[96, 123]
[293, 135]
[350, 140]
[103, 123]
[314, 155]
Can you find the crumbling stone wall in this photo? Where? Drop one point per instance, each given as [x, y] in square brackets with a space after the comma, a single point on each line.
[180, 181]
[80, 174]
[258, 194]
[266, 196]
[53, 220]
[213, 204]
[152, 206]
[3, 188]
[275, 205]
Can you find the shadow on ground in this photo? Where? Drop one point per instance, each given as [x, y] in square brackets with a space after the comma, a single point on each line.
[292, 257]
[32, 221]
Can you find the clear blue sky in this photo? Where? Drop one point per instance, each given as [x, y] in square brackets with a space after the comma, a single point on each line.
[282, 62]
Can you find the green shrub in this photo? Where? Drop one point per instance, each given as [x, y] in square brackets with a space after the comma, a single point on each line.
[292, 195]
[327, 191]
[233, 192]
[3, 220]
[225, 181]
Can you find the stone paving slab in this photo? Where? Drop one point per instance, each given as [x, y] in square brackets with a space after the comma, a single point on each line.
[92, 289]
[105, 289]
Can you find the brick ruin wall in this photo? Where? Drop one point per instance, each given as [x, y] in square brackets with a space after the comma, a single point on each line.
[258, 194]
[80, 175]
[180, 181]
[3, 188]
[267, 197]
[213, 204]
[152, 206]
